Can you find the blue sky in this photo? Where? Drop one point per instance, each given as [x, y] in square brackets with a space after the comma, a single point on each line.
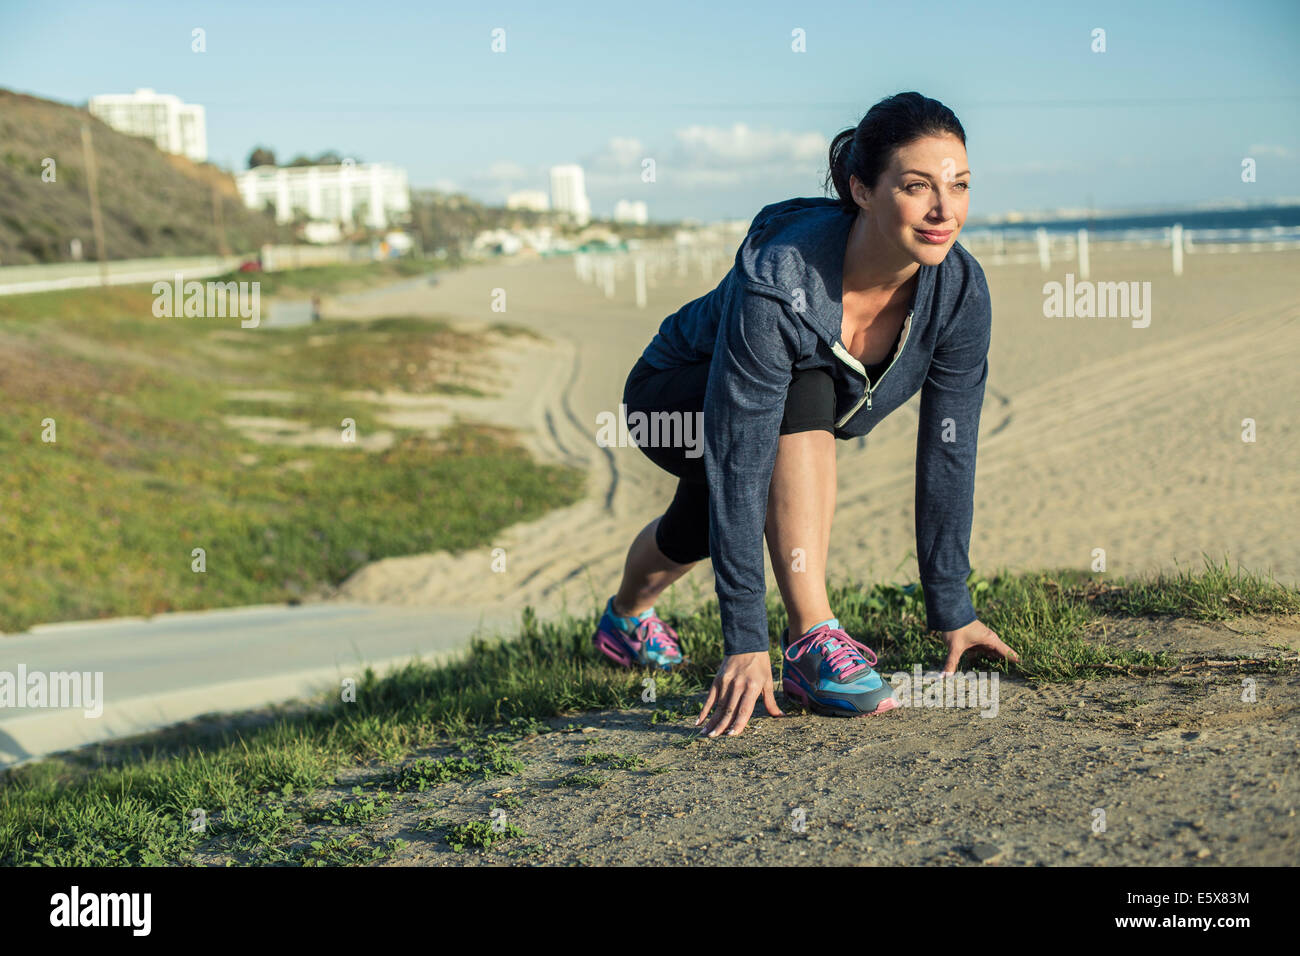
[712, 91]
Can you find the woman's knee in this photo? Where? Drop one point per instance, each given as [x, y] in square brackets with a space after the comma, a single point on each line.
[682, 535]
[679, 551]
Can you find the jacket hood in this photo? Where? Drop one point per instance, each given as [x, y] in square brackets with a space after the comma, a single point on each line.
[777, 209]
[796, 248]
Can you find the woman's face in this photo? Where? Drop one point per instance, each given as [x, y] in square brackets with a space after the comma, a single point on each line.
[919, 203]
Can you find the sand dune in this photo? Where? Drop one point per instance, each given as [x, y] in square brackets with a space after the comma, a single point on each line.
[1094, 434]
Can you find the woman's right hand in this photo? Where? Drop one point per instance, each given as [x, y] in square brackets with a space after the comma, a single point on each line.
[741, 679]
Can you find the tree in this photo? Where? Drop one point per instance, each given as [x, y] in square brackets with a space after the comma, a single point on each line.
[261, 157]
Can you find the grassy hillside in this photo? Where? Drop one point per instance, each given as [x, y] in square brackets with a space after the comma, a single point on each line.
[154, 204]
[149, 461]
[264, 778]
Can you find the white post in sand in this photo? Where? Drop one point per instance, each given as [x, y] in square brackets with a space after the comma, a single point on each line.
[1044, 250]
[706, 265]
[1083, 254]
[640, 283]
[1176, 240]
[609, 277]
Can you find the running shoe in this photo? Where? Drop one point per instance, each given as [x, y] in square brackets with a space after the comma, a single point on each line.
[829, 673]
[640, 640]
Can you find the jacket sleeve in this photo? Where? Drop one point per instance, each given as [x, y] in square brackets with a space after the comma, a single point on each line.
[744, 402]
[951, 400]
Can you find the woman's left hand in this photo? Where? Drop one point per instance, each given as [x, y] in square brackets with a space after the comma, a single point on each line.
[974, 637]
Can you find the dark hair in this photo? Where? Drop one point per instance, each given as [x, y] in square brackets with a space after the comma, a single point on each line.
[867, 149]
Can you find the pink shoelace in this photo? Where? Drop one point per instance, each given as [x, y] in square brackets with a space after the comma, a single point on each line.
[844, 655]
[651, 632]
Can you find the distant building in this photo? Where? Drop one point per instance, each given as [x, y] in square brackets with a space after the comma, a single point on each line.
[534, 199]
[324, 233]
[626, 210]
[175, 127]
[569, 193]
[374, 193]
[503, 242]
[496, 242]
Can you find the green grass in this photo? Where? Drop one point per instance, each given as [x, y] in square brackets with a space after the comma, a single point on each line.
[612, 760]
[348, 850]
[104, 521]
[518, 331]
[481, 834]
[485, 759]
[1217, 594]
[135, 806]
[1048, 617]
[345, 812]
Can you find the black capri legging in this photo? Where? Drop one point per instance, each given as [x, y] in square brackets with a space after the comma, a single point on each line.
[683, 533]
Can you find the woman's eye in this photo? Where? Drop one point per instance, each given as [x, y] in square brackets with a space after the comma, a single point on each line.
[964, 186]
[912, 185]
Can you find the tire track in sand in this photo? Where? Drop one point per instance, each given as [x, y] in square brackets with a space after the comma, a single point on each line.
[552, 390]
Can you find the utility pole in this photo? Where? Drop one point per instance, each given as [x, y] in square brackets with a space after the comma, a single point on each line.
[96, 219]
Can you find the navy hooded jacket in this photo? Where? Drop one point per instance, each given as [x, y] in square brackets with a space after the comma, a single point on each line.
[778, 309]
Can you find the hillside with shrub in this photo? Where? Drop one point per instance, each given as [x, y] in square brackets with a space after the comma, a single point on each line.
[153, 203]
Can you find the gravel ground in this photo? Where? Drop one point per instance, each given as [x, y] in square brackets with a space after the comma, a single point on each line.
[1133, 770]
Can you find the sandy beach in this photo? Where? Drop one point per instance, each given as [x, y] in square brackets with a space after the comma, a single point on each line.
[1095, 434]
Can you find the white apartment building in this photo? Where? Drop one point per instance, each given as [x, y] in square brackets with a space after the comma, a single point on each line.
[533, 199]
[569, 193]
[375, 193]
[174, 126]
[629, 210]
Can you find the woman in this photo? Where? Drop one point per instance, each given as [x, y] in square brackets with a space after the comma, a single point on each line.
[836, 312]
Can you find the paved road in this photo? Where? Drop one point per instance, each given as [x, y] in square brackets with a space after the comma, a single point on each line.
[174, 667]
[20, 280]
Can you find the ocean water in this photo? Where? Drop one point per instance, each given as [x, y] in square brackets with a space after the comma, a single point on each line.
[1256, 224]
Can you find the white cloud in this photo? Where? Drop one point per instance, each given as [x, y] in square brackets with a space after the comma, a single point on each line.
[713, 157]
[623, 151]
[743, 146]
[693, 159]
[1264, 149]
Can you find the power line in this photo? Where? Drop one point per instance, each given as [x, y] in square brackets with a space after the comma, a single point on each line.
[370, 107]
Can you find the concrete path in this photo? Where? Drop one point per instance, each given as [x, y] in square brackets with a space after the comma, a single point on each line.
[21, 280]
[173, 667]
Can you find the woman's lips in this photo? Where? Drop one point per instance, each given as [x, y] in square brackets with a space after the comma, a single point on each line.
[936, 236]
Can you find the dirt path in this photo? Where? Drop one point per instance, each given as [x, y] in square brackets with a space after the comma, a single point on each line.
[1138, 770]
[1184, 770]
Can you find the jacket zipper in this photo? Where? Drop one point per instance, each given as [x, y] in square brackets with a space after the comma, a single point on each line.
[843, 354]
